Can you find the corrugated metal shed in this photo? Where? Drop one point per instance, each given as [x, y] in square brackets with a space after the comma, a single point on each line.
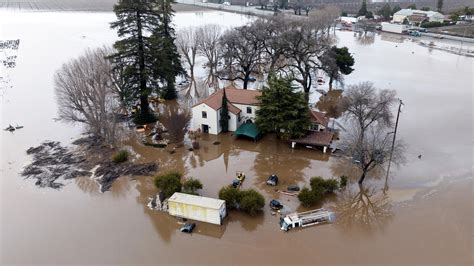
[200, 201]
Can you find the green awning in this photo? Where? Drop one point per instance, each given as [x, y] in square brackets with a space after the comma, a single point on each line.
[248, 130]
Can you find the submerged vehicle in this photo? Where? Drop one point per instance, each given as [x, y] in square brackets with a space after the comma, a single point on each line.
[275, 205]
[272, 180]
[305, 219]
[187, 227]
[239, 179]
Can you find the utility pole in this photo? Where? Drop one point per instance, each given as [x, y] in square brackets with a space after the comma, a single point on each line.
[393, 145]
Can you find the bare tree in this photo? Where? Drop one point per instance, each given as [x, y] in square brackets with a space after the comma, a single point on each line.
[304, 42]
[175, 118]
[187, 42]
[209, 47]
[269, 31]
[242, 54]
[366, 107]
[372, 149]
[85, 93]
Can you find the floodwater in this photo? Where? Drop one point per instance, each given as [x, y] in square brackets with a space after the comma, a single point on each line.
[425, 219]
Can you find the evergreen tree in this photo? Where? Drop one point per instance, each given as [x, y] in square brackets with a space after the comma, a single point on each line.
[224, 120]
[282, 110]
[412, 6]
[396, 9]
[439, 5]
[386, 12]
[337, 62]
[363, 9]
[170, 64]
[136, 21]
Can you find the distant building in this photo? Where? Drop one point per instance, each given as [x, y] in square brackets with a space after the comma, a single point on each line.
[417, 16]
[242, 106]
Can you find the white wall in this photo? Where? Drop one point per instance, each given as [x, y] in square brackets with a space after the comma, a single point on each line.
[233, 124]
[398, 18]
[436, 18]
[213, 117]
[243, 115]
[211, 120]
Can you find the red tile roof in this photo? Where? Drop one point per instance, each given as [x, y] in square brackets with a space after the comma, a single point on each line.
[234, 96]
[319, 117]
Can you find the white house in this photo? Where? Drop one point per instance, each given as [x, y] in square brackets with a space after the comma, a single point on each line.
[242, 105]
[430, 16]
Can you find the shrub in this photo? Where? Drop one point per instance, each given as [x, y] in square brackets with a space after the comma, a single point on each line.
[343, 181]
[307, 197]
[251, 201]
[231, 196]
[169, 183]
[434, 24]
[120, 157]
[331, 185]
[324, 186]
[319, 188]
[191, 185]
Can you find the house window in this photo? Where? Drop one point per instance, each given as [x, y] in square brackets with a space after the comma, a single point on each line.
[204, 114]
[238, 117]
[249, 110]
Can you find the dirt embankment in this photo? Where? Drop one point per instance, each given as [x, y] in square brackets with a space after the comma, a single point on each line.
[53, 163]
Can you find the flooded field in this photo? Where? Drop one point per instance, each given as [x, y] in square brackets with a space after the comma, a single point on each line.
[425, 219]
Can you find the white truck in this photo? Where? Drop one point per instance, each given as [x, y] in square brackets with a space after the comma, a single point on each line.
[304, 219]
[394, 28]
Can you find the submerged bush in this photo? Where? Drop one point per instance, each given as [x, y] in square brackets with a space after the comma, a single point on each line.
[231, 196]
[169, 183]
[249, 201]
[343, 181]
[191, 185]
[120, 157]
[319, 188]
[307, 197]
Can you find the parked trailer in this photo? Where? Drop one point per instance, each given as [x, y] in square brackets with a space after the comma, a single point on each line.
[305, 219]
[394, 28]
[197, 208]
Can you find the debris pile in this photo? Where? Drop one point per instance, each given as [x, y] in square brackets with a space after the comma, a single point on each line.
[53, 162]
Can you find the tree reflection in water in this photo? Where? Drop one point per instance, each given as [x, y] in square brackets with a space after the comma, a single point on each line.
[365, 37]
[363, 208]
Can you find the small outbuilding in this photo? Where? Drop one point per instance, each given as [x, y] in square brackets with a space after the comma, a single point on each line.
[197, 208]
[315, 139]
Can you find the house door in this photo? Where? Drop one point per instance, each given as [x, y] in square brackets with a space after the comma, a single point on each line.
[205, 128]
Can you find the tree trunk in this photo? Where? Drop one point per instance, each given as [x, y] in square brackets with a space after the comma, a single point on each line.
[144, 111]
[246, 80]
[331, 79]
[361, 180]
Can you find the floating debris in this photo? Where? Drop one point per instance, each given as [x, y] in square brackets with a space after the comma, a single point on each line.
[53, 162]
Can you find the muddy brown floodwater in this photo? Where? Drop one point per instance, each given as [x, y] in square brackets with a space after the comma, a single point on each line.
[426, 218]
